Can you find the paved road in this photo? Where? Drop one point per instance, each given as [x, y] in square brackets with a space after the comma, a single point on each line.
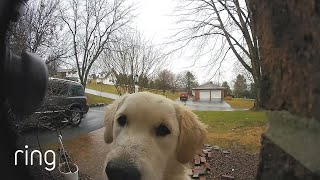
[92, 121]
[103, 94]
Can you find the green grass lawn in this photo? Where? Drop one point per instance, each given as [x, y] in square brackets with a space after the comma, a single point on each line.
[234, 129]
[228, 129]
[112, 89]
[241, 103]
[93, 99]
[102, 87]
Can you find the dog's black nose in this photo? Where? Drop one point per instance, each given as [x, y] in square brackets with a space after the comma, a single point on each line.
[122, 170]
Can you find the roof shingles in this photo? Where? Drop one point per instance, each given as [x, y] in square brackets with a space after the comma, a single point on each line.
[208, 86]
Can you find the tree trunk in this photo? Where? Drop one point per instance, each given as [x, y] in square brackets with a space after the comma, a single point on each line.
[82, 79]
[257, 102]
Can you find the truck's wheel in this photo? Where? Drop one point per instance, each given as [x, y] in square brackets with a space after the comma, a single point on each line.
[76, 117]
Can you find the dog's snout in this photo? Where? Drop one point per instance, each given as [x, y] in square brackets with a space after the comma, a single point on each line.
[122, 170]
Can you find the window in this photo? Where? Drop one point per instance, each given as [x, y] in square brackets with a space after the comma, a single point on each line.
[76, 90]
[57, 88]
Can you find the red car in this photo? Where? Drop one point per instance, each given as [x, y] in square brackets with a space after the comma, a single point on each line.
[183, 96]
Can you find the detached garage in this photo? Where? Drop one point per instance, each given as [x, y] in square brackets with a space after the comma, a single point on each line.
[208, 92]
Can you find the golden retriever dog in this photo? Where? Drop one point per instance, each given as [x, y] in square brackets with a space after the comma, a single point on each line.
[152, 138]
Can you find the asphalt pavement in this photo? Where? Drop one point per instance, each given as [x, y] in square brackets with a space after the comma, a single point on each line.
[92, 121]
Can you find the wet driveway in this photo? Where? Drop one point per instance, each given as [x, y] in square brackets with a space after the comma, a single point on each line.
[208, 106]
[91, 122]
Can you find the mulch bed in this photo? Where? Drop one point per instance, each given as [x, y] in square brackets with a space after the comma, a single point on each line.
[226, 164]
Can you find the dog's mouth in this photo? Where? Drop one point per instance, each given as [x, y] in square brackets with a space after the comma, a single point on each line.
[122, 170]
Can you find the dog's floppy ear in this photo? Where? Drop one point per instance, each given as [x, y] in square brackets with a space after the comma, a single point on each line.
[192, 134]
[109, 117]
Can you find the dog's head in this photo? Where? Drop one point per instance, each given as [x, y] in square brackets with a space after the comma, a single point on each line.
[149, 135]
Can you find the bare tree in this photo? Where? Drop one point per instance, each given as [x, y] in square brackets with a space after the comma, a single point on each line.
[175, 84]
[37, 30]
[92, 25]
[239, 69]
[164, 80]
[225, 26]
[132, 56]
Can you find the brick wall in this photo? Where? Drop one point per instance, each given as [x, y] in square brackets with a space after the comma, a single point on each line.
[196, 95]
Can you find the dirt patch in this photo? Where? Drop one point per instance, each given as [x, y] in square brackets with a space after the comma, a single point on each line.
[239, 164]
[245, 138]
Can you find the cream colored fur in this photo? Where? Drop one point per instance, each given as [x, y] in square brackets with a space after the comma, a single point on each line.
[157, 158]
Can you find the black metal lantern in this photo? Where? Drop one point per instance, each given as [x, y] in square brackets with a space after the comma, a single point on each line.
[136, 79]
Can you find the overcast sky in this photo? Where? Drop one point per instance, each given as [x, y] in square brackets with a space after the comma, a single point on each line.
[156, 22]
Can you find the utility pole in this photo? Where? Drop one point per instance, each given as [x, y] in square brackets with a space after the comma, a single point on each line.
[136, 81]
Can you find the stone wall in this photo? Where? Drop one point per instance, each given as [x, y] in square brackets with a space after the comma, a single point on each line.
[289, 40]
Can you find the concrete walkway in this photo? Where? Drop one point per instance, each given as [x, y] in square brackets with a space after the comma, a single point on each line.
[100, 93]
[88, 151]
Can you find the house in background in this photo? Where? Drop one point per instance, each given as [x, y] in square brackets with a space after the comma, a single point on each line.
[70, 74]
[208, 92]
[105, 78]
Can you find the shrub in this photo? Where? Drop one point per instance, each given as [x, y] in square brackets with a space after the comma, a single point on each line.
[228, 98]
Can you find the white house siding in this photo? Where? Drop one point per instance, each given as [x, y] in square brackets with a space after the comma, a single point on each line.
[105, 81]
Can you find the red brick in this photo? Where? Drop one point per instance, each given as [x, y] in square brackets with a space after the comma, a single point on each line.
[197, 161]
[199, 170]
[207, 165]
[196, 157]
[202, 159]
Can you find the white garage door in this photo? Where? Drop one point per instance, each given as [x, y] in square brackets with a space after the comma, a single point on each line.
[204, 95]
[215, 94]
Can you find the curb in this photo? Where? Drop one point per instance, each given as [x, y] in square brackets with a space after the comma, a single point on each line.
[98, 105]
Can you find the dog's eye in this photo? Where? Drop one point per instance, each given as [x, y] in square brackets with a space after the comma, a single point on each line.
[162, 130]
[122, 120]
